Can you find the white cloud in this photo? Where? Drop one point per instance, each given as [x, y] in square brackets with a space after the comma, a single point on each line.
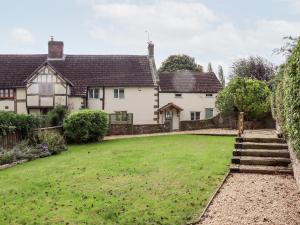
[187, 27]
[295, 5]
[21, 36]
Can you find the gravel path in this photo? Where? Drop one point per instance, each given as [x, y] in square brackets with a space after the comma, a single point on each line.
[254, 199]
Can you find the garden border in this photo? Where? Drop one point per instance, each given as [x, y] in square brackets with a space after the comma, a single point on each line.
[210, 201]
[6, 166]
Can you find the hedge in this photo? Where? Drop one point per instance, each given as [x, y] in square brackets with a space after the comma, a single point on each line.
[286, 98]
[24, 124]
[85, 126]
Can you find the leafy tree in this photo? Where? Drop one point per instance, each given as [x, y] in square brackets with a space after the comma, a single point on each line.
[180, 62]
[245, 95]
[221, 76]
[253, 67]
[209, 67]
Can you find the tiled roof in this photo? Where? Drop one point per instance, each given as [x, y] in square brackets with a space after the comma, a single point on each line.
[81, 70]
[189, 82]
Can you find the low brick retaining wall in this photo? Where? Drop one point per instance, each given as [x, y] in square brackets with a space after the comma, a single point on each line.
[296, 165]
[123, 129]
[227, 122]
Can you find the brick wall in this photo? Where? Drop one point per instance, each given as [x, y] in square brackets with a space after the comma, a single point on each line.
[228, 122]
[123, 129]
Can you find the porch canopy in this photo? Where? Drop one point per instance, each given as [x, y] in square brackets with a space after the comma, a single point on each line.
[170, 106]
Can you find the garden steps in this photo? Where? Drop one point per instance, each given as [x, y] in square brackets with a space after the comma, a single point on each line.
[261, 155]
[261, 169]
[261, 140]
[258, 145]
[267, 161]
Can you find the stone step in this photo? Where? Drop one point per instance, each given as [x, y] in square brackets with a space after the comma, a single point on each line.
[262, 153]
[261, 140]
[260, 169]
[255, 145]
[267, 161]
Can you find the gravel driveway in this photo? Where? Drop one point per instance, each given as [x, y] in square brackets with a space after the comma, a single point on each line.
[254, 199]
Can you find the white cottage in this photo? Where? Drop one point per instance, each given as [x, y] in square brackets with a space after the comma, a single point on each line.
[125, 86]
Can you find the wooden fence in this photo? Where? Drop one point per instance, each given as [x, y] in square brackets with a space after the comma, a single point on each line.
[9, 140]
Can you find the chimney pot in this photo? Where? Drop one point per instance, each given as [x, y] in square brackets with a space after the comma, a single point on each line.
[150, 49]
[55, 49]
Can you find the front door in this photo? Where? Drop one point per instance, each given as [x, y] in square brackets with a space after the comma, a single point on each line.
[173, 119]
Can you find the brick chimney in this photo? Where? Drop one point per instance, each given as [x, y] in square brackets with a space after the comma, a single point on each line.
[55, 49]
[150, 49]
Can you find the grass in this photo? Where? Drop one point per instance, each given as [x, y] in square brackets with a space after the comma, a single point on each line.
[152, 180]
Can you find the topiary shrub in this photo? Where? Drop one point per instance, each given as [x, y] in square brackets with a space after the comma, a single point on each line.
[85, 126]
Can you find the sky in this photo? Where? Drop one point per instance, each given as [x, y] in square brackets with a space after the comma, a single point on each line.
[217, 31]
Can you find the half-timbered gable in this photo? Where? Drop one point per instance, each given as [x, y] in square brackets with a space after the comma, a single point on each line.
[46, 88]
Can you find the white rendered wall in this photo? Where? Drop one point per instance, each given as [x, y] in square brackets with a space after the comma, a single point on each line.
[7, 105]
[74, 103]
[139, 101]
[21, 100]
[189, 102]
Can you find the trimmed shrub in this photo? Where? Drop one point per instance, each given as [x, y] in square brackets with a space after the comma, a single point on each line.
[85, 126]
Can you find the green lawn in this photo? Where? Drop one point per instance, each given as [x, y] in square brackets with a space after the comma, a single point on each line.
[151, 180]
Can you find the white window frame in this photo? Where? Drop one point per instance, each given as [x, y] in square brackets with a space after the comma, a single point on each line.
[93, 92]
[212, 109]
[194, 115]
[121, 116]
[119, 93]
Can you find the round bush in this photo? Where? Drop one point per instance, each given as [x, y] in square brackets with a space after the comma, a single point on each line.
[85, 126]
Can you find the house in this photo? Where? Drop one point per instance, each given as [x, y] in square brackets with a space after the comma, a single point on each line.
[114, 83]
[187, 96]
[127, 87]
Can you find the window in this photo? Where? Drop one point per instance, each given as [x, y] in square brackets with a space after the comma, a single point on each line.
[119, 93]
[168, 115]
[94, 93]
[121, 115]
[178, 95]
[209, 95]
[209, 112]
[195, 115]
[6, 93]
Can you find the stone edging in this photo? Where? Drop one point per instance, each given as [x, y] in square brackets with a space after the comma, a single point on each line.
[210, 200]
[5, 166]
[296, 165]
